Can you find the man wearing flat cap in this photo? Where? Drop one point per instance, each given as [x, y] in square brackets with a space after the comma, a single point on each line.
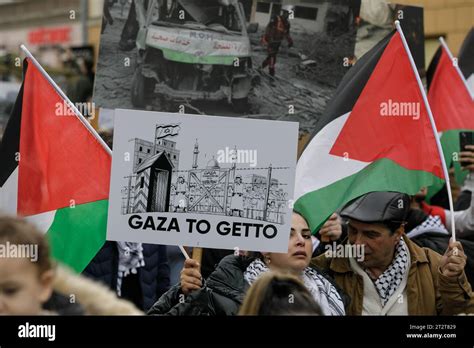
[394, 276]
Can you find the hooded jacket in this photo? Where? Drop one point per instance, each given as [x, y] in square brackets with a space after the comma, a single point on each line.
[222, 293]
[77, 295]
[153, 278]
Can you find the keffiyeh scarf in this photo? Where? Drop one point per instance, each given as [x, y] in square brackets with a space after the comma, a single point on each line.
[324, 293]
[130, 258]
[389, 281]
[431, 224]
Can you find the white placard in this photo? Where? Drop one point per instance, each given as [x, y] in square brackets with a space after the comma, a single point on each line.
[205, 181]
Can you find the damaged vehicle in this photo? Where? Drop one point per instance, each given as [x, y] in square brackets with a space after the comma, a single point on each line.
[193, 50]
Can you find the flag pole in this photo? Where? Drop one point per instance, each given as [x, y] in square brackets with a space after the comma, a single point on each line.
[456, 66]
[69, 103]
[184, 252]
[433, 126]
[76, 111]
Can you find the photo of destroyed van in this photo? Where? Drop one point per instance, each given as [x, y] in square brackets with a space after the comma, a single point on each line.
[193, 50]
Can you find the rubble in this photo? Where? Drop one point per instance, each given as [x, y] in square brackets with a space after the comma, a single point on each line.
[288, 99]
[306, 77]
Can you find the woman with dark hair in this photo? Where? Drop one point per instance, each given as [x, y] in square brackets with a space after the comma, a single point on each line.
[222, 293]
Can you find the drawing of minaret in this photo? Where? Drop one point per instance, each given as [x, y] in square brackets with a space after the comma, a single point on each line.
[234, 161]
[195, 155]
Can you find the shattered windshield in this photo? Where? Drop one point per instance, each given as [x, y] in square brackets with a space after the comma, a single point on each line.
[201, 14]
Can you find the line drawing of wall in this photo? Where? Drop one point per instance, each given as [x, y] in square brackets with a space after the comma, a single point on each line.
[157, 184]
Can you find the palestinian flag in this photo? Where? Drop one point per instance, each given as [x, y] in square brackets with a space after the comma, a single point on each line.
[466, 59]
[374, 136]
[54, 172]
[452, 106]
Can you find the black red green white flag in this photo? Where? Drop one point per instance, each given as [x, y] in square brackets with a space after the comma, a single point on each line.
[54, 171]
[466, 59]
[452, 105]
[375, 135]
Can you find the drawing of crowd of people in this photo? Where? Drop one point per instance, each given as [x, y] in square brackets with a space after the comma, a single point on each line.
[244, 199]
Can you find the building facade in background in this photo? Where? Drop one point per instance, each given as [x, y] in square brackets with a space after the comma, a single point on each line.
[449, 18]
[44, 27]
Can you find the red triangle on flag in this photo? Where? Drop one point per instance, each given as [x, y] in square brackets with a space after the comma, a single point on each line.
[450, 100]
[389, 120]
[61, 163]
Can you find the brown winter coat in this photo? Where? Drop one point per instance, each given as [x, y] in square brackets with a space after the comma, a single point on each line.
[428, 291]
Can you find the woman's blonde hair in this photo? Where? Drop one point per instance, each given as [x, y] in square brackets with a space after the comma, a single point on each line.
[279, 294]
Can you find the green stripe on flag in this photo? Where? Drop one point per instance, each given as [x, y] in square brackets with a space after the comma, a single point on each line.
[382, 175]
[78, 233]
[450, 144]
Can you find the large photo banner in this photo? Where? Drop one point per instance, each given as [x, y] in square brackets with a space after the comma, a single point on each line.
[202, 181]
[278, 60]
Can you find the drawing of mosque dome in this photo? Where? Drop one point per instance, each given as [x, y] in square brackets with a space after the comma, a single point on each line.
[213, 164]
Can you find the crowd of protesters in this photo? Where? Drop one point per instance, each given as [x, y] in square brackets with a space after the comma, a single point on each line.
[409, 266]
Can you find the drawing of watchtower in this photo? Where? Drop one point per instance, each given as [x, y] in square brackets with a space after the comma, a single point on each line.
[153, 169]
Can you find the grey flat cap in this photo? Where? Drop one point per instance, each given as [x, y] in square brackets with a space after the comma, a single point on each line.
[378, 207]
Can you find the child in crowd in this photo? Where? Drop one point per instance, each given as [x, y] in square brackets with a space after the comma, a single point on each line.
[32, 284]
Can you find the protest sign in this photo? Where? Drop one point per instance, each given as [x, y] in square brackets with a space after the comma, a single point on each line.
[202, 181]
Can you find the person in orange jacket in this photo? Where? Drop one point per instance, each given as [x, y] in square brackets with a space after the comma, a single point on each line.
[277, 30]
